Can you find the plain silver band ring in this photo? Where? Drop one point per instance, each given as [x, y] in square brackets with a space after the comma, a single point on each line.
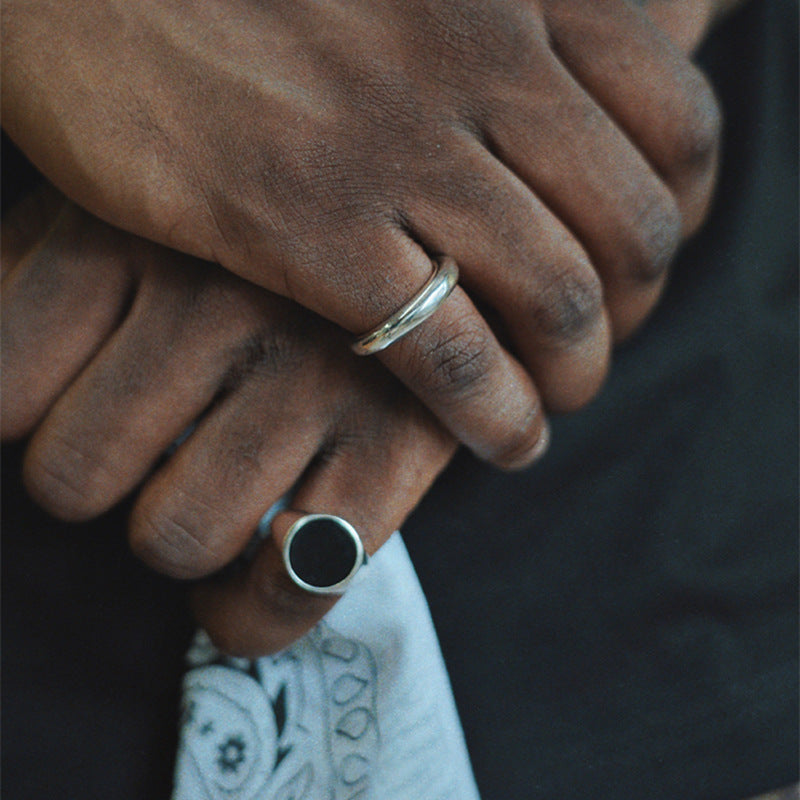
[435, 291]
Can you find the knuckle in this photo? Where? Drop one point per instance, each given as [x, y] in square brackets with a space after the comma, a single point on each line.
[654, 238]
[279, 350]
[173, 540]
[697, 133]
[570, 305]
[276, 350]
[69, 483]
[458, 359]
[495, 39]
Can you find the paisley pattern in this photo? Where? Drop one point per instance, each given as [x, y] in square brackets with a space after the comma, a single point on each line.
[360, 708]
[298, 726]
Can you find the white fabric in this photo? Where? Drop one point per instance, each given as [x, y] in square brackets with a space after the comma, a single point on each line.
[359, 709]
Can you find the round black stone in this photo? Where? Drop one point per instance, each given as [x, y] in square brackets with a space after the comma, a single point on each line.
[322, 553]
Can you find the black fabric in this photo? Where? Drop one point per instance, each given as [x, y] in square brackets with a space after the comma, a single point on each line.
[619, 622]
[93, 646]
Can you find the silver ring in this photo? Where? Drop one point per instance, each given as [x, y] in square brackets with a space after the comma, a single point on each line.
[414, 312]
[322, 553]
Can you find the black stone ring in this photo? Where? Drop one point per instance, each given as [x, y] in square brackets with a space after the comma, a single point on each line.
[322, 553]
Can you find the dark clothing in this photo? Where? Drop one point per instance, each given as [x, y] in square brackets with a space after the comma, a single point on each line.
[619, 622]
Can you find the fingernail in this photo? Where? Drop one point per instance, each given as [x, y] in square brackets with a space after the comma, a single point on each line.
[542, 445]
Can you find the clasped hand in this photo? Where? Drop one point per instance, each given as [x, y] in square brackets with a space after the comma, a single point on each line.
[559, 151]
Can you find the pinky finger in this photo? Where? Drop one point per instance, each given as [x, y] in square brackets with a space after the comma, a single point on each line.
[372, 481]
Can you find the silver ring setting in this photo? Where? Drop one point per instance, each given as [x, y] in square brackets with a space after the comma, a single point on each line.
[424, 303]
[322, 553]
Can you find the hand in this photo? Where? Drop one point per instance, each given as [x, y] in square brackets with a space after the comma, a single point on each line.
[557, 150]
[112, 347]
[686, 22]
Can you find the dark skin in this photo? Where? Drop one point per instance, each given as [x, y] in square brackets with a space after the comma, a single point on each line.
[559, 151]
[140, 341]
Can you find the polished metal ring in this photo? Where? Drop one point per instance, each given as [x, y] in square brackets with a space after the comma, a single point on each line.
[322, 553]
[414, 312]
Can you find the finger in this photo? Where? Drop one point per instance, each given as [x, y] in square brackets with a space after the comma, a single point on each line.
[200, 509]
[27, 223]
[374, 477]
[598, 184]
[59, 304]
[649, 87]
[683, 21]
[455, 365]
[453, 361]
[153, 378]
[522, 261]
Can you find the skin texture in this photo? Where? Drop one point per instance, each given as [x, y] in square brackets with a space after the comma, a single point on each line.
[141, 341]
[559, 151]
